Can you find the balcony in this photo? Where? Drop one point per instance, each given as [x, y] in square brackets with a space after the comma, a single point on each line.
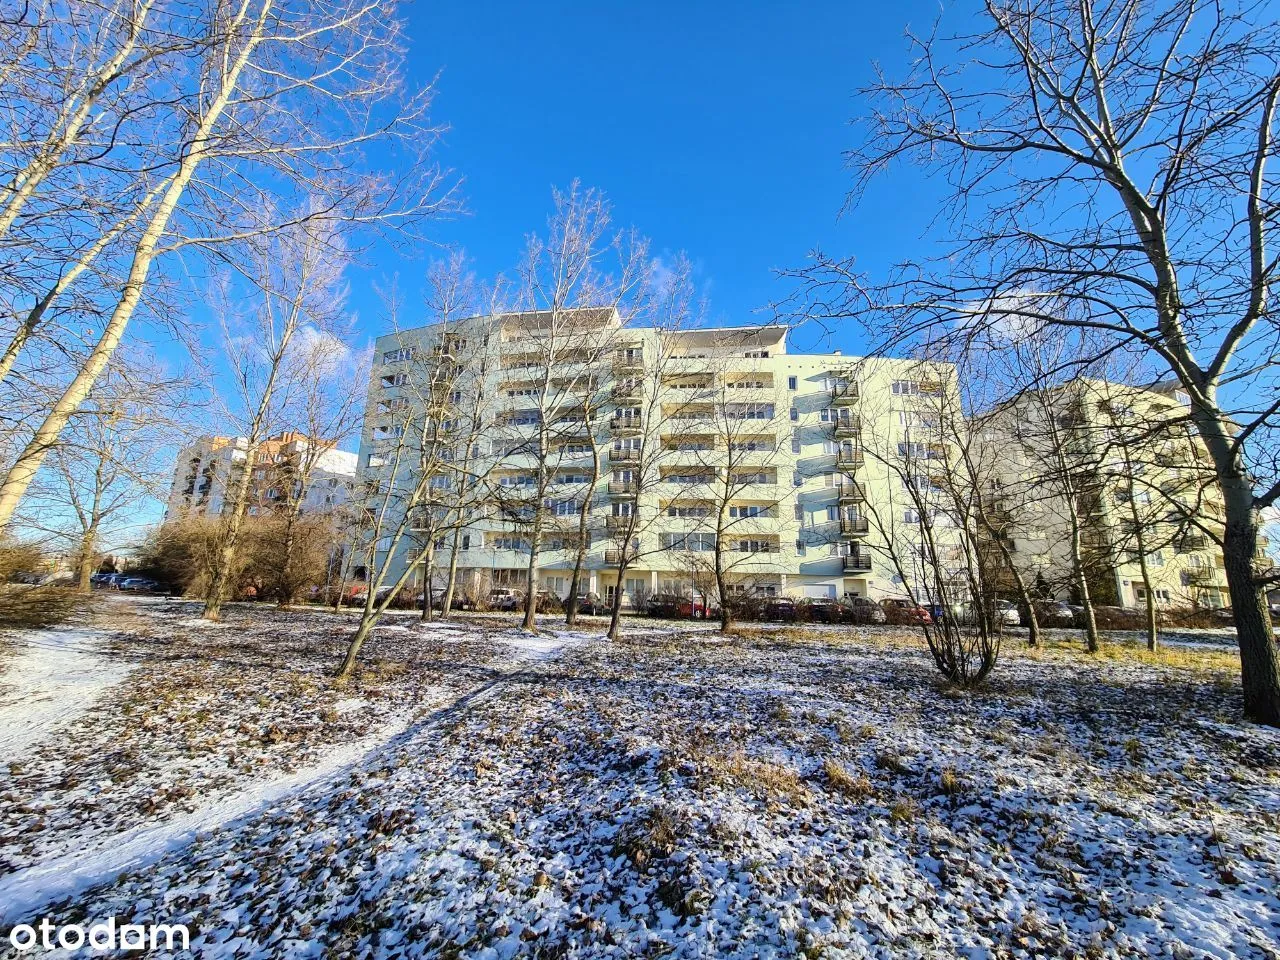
[626, 393]
[618, 524]
[858, 561]
[854, 526]
[622, 488]
[613, 556]
[630, 360]
[847, 427]
[849, 457]
[851, 492]
[844, 392]
[1190, 542]
[625, 425]
[628, 455]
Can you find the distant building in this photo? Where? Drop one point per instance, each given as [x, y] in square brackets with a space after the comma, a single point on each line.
[1134, 480]
[209, 468]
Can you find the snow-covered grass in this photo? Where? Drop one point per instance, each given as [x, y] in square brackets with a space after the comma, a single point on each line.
[783, 792]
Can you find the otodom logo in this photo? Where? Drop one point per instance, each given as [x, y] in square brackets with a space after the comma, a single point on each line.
[100, 936]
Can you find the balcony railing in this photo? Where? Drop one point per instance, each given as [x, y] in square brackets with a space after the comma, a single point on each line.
[622, 488]
[614, 524]
[612, 556]
[849, 457]
[843, 393]
[851, 492]
[625, 425]
[854, 526]
[628, 360]
[624, 456]
[758, 548]
[847, 426]
[625, 393]
[1192, 541]
[858, 562]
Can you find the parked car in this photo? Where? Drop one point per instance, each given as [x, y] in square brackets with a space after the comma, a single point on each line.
[898, 610]
[591, 604]
[100, 579]
[663, 605]
[820, 610]
[503, 599]
[779, 608]
[862, 610]
[139, 585]
[1005, 613]
[1055, 613]
[673, 606]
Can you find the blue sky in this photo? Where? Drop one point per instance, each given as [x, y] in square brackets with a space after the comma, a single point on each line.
[713, 128]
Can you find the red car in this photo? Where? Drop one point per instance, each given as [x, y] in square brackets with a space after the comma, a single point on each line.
[901, 611]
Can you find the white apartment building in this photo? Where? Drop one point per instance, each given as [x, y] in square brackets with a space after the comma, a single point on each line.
[691, 426]
[208, 468]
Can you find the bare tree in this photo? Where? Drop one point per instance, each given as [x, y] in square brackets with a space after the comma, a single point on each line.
[734, 436]
[113, 459]
[929, 524]
[255, 116]
[1110, 170]
[645, 410]
[579, 288]
[289, 343]
[418, 411]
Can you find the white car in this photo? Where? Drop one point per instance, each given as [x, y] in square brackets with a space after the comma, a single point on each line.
[1006, 613]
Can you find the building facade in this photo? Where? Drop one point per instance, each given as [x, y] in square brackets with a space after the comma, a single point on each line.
[207, 469]
[1116, 476]
[709, 442]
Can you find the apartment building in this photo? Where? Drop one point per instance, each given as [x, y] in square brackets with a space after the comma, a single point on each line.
[207, 469]
[704, 436]
[1119, 469]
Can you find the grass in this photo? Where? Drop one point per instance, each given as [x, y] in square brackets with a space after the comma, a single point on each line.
[856, 786]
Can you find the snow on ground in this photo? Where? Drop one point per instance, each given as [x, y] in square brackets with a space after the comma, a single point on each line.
[785, 793]
[49, 678]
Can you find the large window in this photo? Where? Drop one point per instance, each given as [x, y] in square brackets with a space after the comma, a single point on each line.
[696, 542]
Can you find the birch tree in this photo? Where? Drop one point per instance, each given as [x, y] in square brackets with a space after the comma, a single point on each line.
[259, 118]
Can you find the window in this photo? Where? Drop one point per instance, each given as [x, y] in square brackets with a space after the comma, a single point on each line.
[795, 443]
[563, 508]
[800, 513]
[800, 547]
[748, 511]
[755, 546]
[792, 383]
[395, 380]
[906, 388]
[510, 543]
[696, 512]
[911, 515]
[756, 354]
[466, 541]
[395, 356]
[795, 415]
[696, 542]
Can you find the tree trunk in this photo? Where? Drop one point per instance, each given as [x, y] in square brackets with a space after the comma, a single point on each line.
[1259, 657]
[353, 648]
[446, 604]
[219, 582]
[428, 568]
[530, 622]
[84, 561]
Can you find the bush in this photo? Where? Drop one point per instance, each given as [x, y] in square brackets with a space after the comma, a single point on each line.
[25, 606]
